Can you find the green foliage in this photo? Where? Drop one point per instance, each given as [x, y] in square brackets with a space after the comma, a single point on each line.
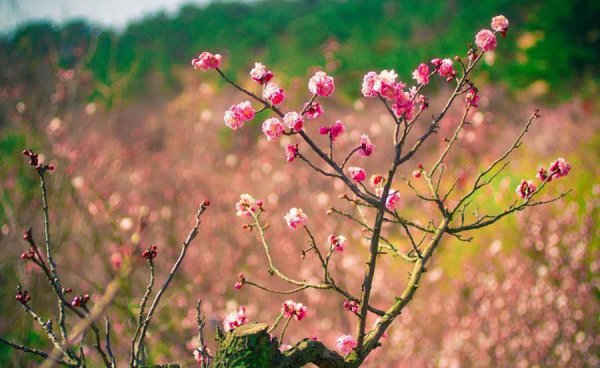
[289, 36]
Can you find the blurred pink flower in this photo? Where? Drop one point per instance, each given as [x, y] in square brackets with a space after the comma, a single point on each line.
[206, 61]
[295, 217]
[321, 84]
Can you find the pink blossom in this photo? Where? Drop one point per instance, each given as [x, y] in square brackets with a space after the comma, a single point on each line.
[273, 128]
[445, 68]
[387, 86]
[472, 98]
[500, 24]
[421, 74]
[300, 312]
[313, 111]
[238, 114]
[273, 93]
[247, 205]
[206, 61]
[351, 306]
[486, 40]
[260, 73]
[337, 243]
[294, 121]
[559, 168]
[357, 174]
[295, 217]
[235, 319]
[346, 343]
[416, 174]
[291, 152]
[525, 189]
[238, 285]
[366, 147]
[335, 130]
[404, 106]
[392, 200]
[321, 84]
[368, 85]
[292, 309]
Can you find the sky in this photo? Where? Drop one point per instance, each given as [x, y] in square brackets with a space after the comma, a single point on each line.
[114, 13]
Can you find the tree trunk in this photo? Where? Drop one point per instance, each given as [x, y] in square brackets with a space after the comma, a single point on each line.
[250, 346]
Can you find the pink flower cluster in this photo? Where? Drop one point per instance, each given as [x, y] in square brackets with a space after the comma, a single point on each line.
[261, 74]
[295, 217]
[357, 174]
[335, 130]
[239, 114]
[321, 84]
[351, 306]
[557, 169]
[206, 61]
[346, 343]
[247, 205]
[421, 74]
[273, 128]
[292, 309]
[235, 319]
[445, 68]
[383, 84]
[337, 242]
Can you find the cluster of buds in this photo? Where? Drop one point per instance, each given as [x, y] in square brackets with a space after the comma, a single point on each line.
[241, 280]
[22, 296]
[557, 169]
[471, 97]
[417, 173]
[28, 254]
[292, 309]
[150, 253]
[202, 355]
[34, 161]
[351, 305]
[80, 301]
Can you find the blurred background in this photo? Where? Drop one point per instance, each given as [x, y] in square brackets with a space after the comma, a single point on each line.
[106, 92]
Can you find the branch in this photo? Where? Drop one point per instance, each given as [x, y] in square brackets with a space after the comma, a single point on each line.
[191, 236]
